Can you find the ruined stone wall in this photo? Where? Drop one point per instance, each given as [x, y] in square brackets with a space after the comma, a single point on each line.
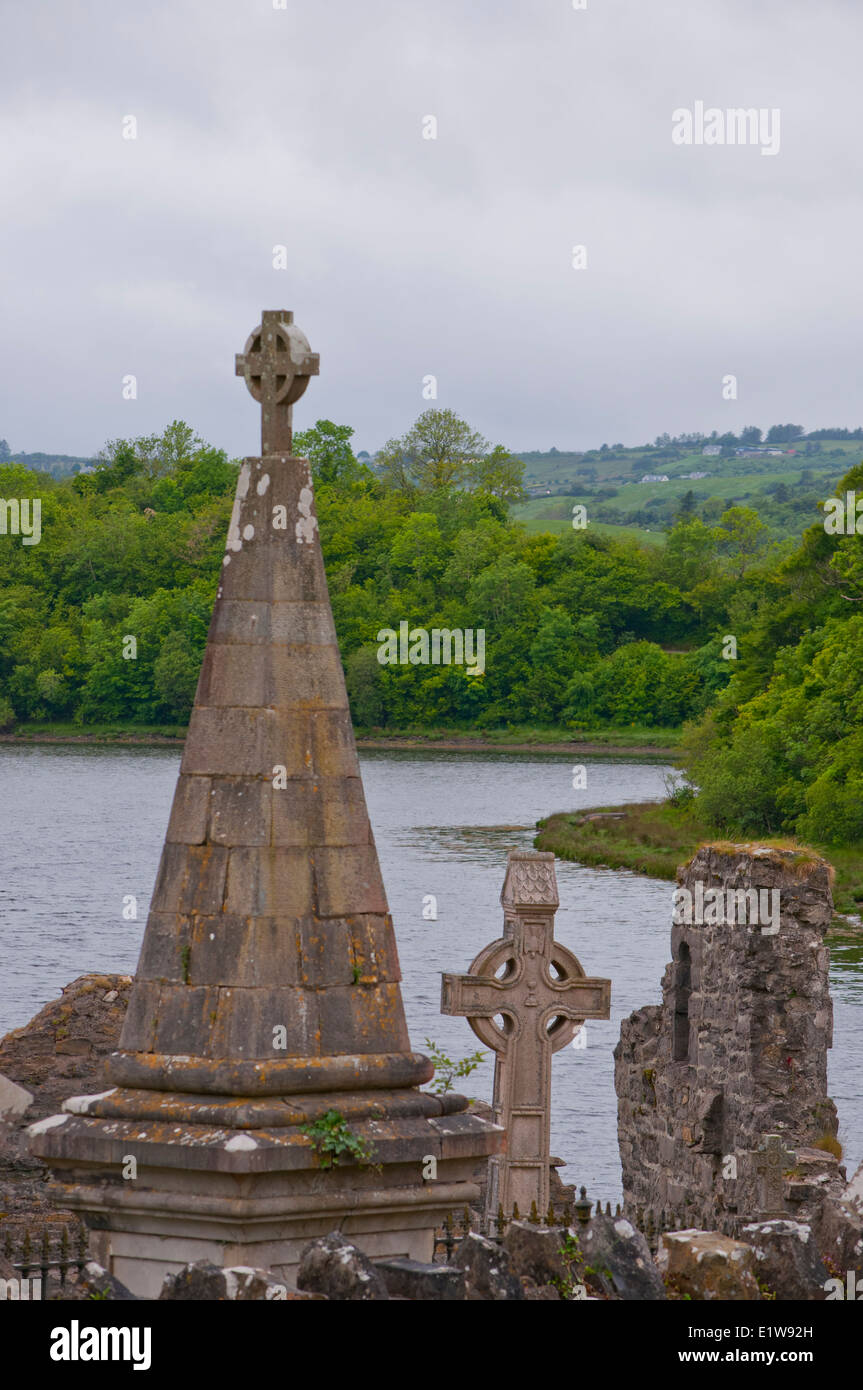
[736, 1051]
[59, 1053]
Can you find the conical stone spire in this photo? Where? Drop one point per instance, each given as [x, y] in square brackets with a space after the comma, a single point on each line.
[267, 990]
[269, 937]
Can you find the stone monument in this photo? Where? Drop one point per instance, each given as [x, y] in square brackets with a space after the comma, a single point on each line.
[267, 994]
[539, 990]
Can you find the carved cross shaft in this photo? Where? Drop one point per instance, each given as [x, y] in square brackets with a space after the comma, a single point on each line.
[541, 992]
[773, 1158]
[277, 364]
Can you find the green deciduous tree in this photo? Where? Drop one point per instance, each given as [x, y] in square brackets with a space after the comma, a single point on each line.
[439, 451]
[742, 537]
[327, 446]
[499, 473]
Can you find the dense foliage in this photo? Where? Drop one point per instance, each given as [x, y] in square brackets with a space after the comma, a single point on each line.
[782, 749]
[573, 624]
[581, 630]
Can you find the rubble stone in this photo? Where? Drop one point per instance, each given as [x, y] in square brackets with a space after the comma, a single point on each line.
[708, 1267]
[338, 1269]
[488, 1270]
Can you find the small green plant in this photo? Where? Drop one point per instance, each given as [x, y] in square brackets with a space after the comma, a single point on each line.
[333, 1140]
[357, 973]
[185, 957]
[446, 1070]
[576, 1269]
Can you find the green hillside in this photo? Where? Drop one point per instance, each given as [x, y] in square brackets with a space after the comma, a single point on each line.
[784, 491]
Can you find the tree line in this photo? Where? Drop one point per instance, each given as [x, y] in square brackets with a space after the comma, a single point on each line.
[575, 625]
[582, 631]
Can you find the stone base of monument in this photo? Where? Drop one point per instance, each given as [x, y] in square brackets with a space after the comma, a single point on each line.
[245, 1185]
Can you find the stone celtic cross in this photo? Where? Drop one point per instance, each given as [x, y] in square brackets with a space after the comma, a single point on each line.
[773, 1158]
[539, 990]
[277, 364]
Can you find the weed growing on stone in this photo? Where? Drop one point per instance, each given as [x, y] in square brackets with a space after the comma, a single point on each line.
[573, 1259]
[446, 1070]
[333, 1140]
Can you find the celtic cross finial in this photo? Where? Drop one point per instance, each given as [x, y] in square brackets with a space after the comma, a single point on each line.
[277, 363]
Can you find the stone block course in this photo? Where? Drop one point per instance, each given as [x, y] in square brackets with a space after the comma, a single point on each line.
[348, 880]
[190, 878]
[245, 1019]
[240, 812]
[190, 811]
[266, 882]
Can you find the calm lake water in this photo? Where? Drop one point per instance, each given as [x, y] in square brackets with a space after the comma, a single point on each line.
[84, 828]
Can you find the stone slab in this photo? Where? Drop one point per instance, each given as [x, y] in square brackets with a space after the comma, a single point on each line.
[14, 1100]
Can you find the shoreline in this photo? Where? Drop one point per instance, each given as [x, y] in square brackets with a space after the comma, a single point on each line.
[652, 838]
[407, 744]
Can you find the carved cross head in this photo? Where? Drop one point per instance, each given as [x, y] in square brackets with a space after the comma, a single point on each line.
[526, 978]
[277, 364]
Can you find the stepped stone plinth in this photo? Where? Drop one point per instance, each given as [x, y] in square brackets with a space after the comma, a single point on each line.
[267, 992]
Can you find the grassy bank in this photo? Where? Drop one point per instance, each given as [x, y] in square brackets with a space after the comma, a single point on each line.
[630, 742]
[654, 837]
[59, 732]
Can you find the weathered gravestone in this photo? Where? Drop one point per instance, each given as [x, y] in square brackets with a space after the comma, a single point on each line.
[267, 992]
[539, 990]
[772, 1159]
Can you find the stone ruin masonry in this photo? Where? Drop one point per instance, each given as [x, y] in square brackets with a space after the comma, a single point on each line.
[736, 1051]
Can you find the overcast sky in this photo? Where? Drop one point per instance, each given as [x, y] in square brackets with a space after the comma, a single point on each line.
[303, 127]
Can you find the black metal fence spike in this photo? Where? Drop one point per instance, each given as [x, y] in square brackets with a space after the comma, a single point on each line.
[36, 1253]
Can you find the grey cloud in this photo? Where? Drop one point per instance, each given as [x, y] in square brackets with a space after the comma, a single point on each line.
[302, 127]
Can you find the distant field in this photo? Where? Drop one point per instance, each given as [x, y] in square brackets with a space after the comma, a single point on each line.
[605, 528]
[647, 510]
[563, 470]
[641, 494]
